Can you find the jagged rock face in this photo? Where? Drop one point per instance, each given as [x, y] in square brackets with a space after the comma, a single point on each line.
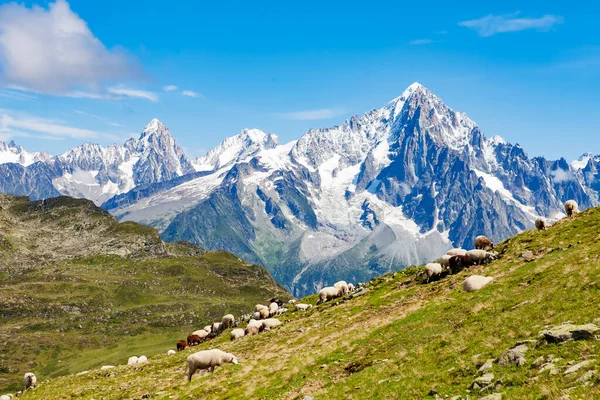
[95, 172]
[394, 187]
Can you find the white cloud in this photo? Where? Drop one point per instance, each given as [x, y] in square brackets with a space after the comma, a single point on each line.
[25, 124]
[421, 42]
[125, 92]
[191, 93]
[170, 88]
[560, 175]
[52, 51]
[314, 114]
[493, 24]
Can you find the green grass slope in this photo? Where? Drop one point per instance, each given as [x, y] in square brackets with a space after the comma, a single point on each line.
[79, 290]
[403, 339]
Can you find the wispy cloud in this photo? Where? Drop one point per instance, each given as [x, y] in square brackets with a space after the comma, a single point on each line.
[99, 118]
[419, 42]
[170, 88]
[191, 93]
[126, 92]
[493, 24]
[11, 124]
[324, 113]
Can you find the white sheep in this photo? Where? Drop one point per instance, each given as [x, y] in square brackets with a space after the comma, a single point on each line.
[328, 293]
[292, 301]
[236, 334]
[201, 333]
[256, 315]
[433, 270]
[476, 282]
[29, 380]
[456, 252]
[264, 313]
[302, 307]
[541, 224]
[132, 360]
[6, 397]
[142, 359]
[343, 286]
[571, 208]
[483, 243]
[280, 311]
[171, 352]
[208, 359]
[481, 256]
[228, 321]
[251, 330]
[350, 288]
[259, 306]
[270, 323]
[444, 260]
[273, 307]
[254, 322]
[208, 328]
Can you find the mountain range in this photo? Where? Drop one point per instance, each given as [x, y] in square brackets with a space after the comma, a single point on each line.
[394, 187]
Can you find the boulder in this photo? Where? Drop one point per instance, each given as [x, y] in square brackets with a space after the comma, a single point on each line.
[493, 396]
[577, 367]
[567, 332]
[514, 356]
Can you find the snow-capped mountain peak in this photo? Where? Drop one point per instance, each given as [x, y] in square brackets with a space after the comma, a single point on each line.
[582, 161]
[13, 153]
[248, 142]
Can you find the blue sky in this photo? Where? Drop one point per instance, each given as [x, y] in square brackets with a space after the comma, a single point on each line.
[87, 71]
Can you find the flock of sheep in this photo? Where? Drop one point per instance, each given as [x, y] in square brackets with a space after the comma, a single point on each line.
[261, 320]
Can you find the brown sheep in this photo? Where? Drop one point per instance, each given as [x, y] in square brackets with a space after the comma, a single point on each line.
[251, 330]
[483, 243]
[193, 340]
[458, 263]
[181, 345]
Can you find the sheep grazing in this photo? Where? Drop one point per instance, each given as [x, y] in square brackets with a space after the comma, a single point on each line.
[444, 260]
[273, 307]
[350, 288]
[258, 307]
[458, 263]
[280, 311]
[292, 301]
[302, 307]
[217, 328]
[328, 293]
[208, 359]
[182, 345]
[236, 334]
[208, 328]
[342, 286]
[6, 397]
[201, 332]
[256, 315]
[132, 360]
[541, 224]
[251, 330]
[480, 257]
[142, 359]
[475, 282]
[254, 322]
[29, 380]
[193, 340]
[264, 313]
[269, 324]
[276, 300]
[457, 252]
[228, 321]
[171, 352]
[483, 243]
[571, 208]
[433, 270]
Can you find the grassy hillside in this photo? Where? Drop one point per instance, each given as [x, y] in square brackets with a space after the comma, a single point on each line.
[79, 290]
[403, 339]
